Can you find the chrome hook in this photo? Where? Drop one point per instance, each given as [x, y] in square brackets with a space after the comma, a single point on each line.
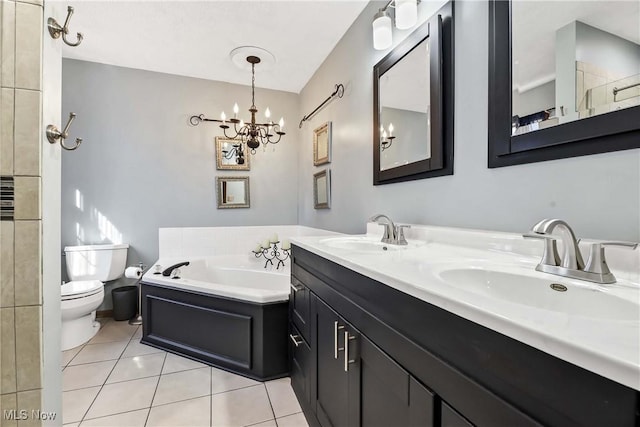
[54, 135]
[56, 30]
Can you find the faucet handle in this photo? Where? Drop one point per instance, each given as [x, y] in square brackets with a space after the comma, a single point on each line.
[597, 262]
[400, 234]
[550, 255]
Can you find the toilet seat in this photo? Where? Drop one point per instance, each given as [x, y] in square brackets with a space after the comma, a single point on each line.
[80, 289]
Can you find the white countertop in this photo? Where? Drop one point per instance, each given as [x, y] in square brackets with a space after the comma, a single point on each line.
[607, 345]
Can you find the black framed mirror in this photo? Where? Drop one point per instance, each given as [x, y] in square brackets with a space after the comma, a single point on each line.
[413, 104]
[563, 82]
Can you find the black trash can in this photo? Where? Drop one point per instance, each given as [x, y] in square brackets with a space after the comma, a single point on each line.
[125, 302]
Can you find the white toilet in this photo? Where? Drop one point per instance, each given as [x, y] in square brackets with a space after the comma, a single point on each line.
[88, 267]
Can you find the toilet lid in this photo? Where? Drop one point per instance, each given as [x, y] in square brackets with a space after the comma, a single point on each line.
[80, 287]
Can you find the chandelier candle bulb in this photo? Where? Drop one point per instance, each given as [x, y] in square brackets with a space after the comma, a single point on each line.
[267, 113]
[390, 129]
[281, 124]
[235, 110]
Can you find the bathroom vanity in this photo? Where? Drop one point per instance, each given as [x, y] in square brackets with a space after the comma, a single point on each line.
[367, 348]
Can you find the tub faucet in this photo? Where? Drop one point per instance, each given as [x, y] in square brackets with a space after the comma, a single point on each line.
[571, 263]
[167, 272]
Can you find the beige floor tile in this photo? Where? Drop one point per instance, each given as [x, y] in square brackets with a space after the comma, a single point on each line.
[131, 368]
[241, 407]
[68, 355]
[295, 420]
[75, 403]
[128, 419]
[138, 334]
[183, 385]
[71, 425]
[225, 381]
[270, 423]
[135, 348]
[175, 363]
[88, 375]
[114, 331]
[192, 413]
[99, 352]
[123, 397]
[283, 400]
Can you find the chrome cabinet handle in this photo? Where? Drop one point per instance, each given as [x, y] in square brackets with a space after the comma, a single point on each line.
[336, 327]
[347, 338]
[295, 339]
[296, 288]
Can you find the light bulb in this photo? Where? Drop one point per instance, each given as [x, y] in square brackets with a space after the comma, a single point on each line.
[406, 13]
[382, 36]
[223, 116]
[235, 109]
[281, 123]
[390, 129]
[384, 134]
[267, 113]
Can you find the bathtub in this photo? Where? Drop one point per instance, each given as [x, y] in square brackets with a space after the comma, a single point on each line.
[226, 311]
[237, 277]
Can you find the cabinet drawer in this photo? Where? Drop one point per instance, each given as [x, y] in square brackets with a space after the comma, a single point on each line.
[300, 306]
[300, 364]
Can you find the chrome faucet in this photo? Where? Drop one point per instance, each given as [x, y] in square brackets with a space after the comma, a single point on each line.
[571, 258]
[393, 234]
[571, 263]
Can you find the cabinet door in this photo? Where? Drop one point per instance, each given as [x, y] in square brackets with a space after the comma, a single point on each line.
[337, 402]
[299, 303]
[389, 395]
[300, 365]
[451, 418]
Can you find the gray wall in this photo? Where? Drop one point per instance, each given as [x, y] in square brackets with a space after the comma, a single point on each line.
[141, 166]
[599, 195]
[534, 100]
[412, 137]
[607, 50]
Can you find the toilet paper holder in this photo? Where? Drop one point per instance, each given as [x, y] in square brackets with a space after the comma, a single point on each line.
[137, 319]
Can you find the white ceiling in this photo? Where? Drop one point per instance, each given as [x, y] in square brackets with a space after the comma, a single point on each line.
[194, 38]
[535, 24]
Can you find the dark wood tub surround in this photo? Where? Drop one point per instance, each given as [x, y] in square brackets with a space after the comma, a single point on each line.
[414, 364]
[243, 337]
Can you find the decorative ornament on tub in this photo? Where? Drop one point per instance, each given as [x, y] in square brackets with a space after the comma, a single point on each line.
[270, 251]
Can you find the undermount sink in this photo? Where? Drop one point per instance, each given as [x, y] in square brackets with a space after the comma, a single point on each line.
[366, 244]
[543, 294]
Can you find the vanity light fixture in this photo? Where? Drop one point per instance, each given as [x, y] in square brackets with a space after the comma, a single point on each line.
[250, 133]
[406, 16]
[386, 139]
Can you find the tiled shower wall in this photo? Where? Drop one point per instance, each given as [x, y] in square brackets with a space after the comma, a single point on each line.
[20, 238]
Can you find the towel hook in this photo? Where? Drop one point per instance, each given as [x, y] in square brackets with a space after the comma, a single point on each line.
[54, 135]
[56, 30]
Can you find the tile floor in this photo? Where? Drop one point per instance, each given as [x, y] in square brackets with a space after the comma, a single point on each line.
[114, 381]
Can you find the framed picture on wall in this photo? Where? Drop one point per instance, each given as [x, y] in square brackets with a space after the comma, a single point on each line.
[232, 192]
[231, 154]
[322, 189]
[322, 144]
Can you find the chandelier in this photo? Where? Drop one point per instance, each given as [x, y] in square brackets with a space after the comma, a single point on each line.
[252, 134]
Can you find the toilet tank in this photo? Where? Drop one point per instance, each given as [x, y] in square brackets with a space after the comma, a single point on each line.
[96, 262]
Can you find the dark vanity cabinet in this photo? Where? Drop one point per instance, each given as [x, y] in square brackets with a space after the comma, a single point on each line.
[365, 354]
